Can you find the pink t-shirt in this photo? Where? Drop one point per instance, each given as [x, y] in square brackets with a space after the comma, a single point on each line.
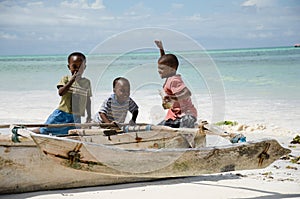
[180, 108]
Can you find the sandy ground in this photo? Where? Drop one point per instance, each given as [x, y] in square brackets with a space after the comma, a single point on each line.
[280, 180]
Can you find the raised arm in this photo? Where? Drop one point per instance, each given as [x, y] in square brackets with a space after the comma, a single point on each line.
[160, 46]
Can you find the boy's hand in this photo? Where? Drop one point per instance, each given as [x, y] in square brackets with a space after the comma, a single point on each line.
[114, 123]
[76, 76]
[167, 102]
[131, 122]
[167, 98]
[88, 120]
[159, 44]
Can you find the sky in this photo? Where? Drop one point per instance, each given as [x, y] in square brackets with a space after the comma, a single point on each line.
[33, 27]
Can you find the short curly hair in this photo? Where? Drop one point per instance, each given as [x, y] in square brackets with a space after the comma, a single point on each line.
[76, 54]
[169, 60]
[122, 79]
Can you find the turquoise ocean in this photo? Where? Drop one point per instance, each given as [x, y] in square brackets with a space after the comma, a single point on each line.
[259, 85]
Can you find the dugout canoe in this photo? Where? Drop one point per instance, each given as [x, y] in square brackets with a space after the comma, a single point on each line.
[99, 157]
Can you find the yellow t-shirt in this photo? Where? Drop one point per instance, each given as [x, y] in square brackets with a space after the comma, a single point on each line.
[74, 101]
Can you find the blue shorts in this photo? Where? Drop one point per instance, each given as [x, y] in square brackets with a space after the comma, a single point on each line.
[60, 117]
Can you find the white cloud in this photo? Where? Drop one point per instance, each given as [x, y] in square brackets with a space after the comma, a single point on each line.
[249, 3]
[72, 19]
[138, 9]
[259, 3]
[36, 4]
[97, 5]
[83, 4]
[4, 35]
[130, 13]
[196, 18]
[259, 35]
[38, 15]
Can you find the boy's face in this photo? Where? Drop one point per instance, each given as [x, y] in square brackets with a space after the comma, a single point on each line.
[76, 65]
[165, 70]
[122, 91]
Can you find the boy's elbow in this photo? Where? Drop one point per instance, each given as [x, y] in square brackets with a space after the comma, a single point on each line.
[102, 115]
[135, 113]
[188, 92]
[60, 93]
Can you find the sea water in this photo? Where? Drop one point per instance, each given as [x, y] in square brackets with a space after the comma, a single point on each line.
[245, 85]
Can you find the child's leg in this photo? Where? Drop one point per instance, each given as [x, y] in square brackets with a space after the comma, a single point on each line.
[58, 117]
[173, 123]
[188, 121]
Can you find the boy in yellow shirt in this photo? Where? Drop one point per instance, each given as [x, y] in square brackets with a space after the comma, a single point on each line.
[75, 92]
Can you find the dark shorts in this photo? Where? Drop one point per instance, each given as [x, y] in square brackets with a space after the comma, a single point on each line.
[60, 117]
[186, 121]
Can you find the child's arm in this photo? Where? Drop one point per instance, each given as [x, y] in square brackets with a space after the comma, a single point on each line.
[134, 116]
[104, 118]
[160, 46]
[88, 110]
[185, 93]
[64, 89]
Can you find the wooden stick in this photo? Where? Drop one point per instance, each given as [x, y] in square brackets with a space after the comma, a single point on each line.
[106, 125]
[102, 125]
[231, 136]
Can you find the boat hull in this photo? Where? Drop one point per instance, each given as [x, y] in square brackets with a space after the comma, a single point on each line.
[46, 162]
[160, 163]
[24, 168]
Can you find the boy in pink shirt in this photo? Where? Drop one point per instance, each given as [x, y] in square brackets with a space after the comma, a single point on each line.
[177, 98]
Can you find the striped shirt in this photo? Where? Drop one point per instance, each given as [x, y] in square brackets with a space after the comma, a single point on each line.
[116, 111]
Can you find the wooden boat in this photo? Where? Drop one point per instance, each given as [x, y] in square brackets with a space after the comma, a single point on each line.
[23, 168]
[100, 157]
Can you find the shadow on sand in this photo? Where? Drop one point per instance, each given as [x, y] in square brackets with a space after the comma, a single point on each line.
[198, 180]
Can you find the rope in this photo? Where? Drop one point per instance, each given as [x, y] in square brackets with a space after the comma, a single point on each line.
[15, 134]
